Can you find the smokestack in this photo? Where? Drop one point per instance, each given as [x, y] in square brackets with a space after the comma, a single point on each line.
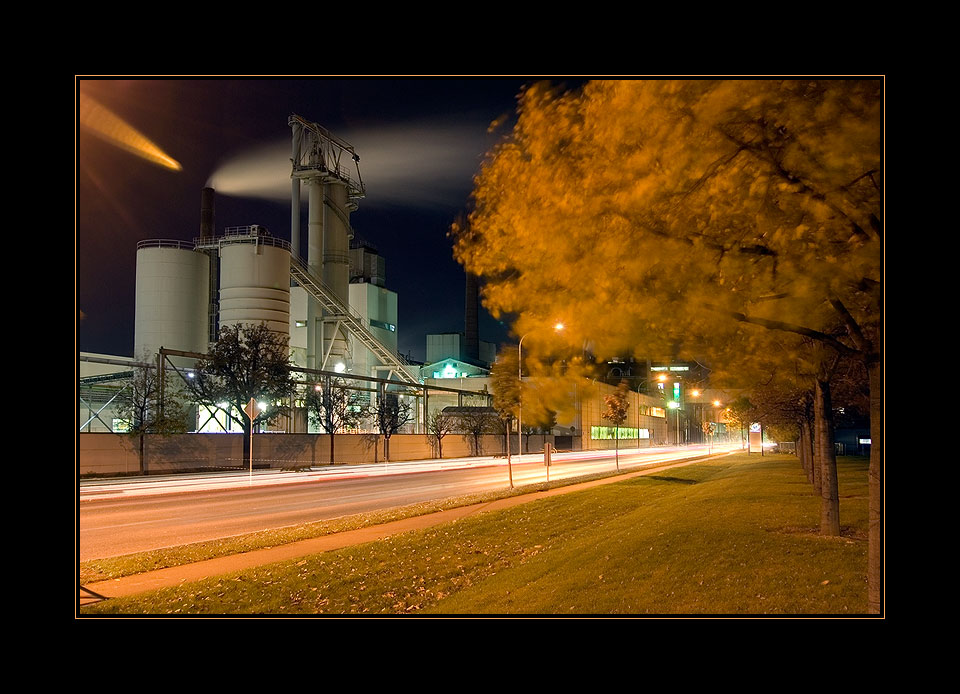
[207, 229]
[472, 319]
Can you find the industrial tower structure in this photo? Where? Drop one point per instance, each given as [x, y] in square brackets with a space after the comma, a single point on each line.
[323, 163]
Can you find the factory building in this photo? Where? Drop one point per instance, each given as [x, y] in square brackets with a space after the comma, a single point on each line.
[331, 302]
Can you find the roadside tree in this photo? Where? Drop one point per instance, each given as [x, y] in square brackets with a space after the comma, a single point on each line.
[390, 414]
[615, 408]
[150, 407]
[474, 422]
[333, 407]
[438, 426]
[246, 362]
[752, 211]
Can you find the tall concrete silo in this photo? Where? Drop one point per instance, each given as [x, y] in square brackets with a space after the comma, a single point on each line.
[254, 279]
[172, 298]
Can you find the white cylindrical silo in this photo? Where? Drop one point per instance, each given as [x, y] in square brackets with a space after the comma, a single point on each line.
[172, 300]
[255, 286]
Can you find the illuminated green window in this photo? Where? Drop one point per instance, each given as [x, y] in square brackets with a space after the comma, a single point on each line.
[383, 326]
[609, 433]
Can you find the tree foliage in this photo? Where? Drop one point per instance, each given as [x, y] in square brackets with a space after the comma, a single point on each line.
[737, 221]
[439, 425]
[389, 414]
[475, 422]
[617, 405]
[149, 406]
[505, 382]
[615, 408]
[333, 407]
[246, 362]
[639, 208]
[546, 389]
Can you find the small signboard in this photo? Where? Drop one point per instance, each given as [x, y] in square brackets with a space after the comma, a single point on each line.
[755, 439]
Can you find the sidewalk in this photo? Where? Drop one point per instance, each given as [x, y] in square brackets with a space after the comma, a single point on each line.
[174, 576]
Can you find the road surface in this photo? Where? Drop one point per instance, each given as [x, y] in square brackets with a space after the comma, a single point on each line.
[118, 517]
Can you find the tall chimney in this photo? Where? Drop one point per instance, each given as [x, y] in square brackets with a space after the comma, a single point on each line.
[472, 319]
[206, 214]
[208, 231]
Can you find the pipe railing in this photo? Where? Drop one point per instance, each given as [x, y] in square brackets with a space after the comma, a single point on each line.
[166, 243]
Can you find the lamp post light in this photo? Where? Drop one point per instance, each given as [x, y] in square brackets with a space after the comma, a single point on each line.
[640, 388]
[675, 406]
[557, 328]
[696, 409]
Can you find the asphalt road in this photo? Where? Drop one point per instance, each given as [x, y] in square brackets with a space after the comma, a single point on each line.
[122, 516]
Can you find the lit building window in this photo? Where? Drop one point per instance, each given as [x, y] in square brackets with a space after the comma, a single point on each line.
[383, 326]
[610, 433]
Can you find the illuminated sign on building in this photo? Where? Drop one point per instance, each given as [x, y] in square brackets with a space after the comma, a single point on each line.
[609, 433]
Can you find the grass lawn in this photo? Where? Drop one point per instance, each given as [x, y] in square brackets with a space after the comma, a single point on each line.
[736, 535]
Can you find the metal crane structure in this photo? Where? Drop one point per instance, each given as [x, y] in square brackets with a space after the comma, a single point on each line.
[330, 169]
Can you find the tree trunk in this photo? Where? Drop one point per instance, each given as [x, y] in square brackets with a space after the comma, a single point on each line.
[617, 451]
[817, 468]
[331, 446]
[824, 445]
[806, 450]
[875, 550]
[143, 466]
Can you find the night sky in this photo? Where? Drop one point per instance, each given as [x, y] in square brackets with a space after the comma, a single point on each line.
[420, 142]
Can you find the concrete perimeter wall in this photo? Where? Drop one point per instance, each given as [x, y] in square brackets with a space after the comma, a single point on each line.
[117, 454]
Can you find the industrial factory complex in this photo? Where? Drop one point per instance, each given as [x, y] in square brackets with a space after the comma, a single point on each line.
[324, 292]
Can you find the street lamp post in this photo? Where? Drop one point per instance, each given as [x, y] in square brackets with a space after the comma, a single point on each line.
[675, 406]
[640, 387]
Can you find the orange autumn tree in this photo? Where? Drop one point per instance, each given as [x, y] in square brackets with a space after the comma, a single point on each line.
[740, 220]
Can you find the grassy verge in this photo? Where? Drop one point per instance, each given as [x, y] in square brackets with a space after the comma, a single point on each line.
[141, 562]
[733, 536]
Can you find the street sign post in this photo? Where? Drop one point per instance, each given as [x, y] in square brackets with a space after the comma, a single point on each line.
[756, 437]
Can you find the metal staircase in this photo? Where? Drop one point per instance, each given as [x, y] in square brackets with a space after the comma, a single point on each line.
[337, 310]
